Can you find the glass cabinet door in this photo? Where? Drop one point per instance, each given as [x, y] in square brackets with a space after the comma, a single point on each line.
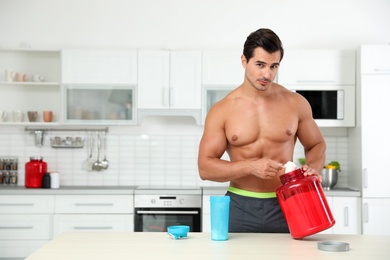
[212, 96]
[99, 104]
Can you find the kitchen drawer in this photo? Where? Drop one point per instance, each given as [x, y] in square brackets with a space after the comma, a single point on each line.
[19, 248]
[25, 226]
[21, 204]
[93, 223]
[90, 204]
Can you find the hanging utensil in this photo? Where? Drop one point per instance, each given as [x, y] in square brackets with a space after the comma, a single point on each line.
[97, 166]
[87, 165]
[105, 162]
[90, 160]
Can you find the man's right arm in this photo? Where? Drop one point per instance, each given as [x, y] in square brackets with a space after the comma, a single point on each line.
[212, 146]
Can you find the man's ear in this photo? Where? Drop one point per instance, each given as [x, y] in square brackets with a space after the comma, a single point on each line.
[243, 61]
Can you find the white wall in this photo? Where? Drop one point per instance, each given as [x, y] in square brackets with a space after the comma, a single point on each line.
[192, 24]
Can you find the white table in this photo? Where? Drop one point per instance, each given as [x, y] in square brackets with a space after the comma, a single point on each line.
[200, 246]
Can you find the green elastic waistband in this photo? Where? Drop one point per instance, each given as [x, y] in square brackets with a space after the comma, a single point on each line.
[259, 195]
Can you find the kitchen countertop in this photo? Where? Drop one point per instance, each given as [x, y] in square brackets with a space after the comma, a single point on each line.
[129, 190]
[69, 190]
[339, 192]
[138, 245]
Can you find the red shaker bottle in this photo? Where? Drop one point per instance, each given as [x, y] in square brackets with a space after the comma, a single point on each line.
[304, 204]
[34, 171]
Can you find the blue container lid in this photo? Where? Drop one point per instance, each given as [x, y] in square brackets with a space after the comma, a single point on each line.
[178, 231]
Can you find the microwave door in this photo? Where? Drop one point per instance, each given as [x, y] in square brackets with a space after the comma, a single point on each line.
[325, 104]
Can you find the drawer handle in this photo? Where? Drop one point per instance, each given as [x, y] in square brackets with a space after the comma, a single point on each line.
[91, 228]
[346, 217]
[167, 212]
[316, 81]
[27, 227]
[17, 204]
[94, 204]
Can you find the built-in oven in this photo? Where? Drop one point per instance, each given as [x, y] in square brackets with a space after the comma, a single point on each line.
[155, 209]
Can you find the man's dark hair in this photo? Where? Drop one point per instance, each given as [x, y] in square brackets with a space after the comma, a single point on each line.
[264, 38]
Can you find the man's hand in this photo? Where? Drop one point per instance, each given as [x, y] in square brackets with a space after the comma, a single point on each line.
[310, 171]
[265, 168]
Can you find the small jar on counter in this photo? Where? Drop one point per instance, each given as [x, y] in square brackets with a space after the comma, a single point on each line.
[13, 177]
[46, 180]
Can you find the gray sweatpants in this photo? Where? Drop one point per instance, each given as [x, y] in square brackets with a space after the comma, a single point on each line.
[253, 215]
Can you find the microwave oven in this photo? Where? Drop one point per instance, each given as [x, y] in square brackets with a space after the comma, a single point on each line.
[332, 106]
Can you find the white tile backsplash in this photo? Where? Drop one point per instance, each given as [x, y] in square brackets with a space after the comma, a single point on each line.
[138, 159]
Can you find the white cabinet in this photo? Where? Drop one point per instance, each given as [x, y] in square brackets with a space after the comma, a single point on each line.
[346, 212]
[222, 72]
[169, 79]
[93, 213]
[222, 68]
[375, 90]
[375, 59]
[376, 214]
[99, 86]
[368, 143]
[39, 89]
[26, 223]
[89, 204]
[317, 67]
[323, 70]
[99, 66]
[92, 223]
[99, 104]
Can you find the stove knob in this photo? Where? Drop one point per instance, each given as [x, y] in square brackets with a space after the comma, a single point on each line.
[153, 201]
[182, 201]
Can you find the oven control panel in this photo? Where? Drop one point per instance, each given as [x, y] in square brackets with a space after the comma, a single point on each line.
[167, 201]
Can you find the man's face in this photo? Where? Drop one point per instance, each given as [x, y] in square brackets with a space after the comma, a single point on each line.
[261, 69]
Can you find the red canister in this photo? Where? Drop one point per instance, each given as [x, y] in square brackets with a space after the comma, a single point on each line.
[35, 169]
[304, 204]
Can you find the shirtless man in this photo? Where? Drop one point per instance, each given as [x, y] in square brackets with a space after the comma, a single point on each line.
[258, 124]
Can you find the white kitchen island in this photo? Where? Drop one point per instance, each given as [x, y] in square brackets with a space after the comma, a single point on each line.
[129, 245]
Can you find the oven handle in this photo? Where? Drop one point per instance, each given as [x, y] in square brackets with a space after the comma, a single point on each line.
[167, 212]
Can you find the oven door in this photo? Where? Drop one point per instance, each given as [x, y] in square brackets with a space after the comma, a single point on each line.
[159, 219]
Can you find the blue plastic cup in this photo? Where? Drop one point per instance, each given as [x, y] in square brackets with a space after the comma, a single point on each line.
[219, 216]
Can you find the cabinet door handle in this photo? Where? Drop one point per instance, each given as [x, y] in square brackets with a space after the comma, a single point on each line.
[171, 97]
[17, 204]
[365, 185]
[365, 213]
[346, 217]
[316, 81]
[165, 97]
[18, 227]
[91, 228]
[94, 204]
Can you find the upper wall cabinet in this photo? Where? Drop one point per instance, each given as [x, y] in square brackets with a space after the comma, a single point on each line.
[169, 83]
[169, 79]
[377, 62]
[317, 67]
[222, 72]
[222, 68]
[99, 66]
